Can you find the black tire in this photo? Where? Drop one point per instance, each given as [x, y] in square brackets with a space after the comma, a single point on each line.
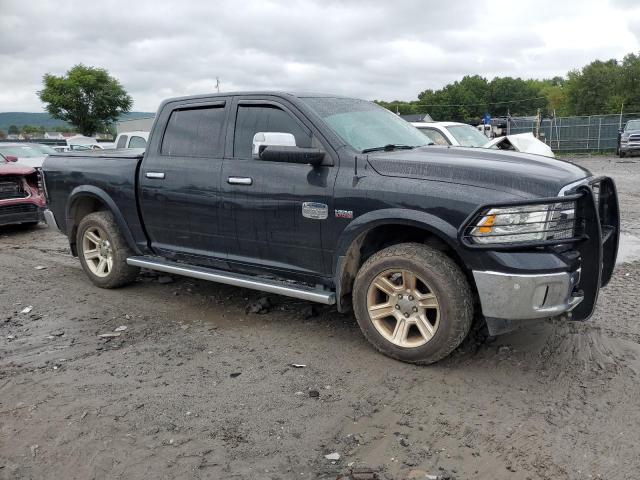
[120, 274]
[621, 154]
[445, 280]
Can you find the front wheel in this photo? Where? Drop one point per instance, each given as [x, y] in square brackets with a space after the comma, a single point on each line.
[103, 251]
[413, 303]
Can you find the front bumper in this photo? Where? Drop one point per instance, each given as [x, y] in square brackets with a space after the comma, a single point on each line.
[633, 145]
[20, 213]
[628, 147]
[50, 218]
[526, 297]
[532, 289]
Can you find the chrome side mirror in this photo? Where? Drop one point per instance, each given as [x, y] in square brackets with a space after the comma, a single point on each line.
[262, 140]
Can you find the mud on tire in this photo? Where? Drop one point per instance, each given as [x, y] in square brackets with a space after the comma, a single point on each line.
[119, 273]
[439, 281]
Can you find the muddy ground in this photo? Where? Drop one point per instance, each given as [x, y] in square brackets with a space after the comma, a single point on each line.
[195, 387]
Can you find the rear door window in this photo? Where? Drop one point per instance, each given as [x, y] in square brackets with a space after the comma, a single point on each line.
[195, 132]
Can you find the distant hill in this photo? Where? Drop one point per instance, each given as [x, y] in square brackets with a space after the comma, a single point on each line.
[43, 119]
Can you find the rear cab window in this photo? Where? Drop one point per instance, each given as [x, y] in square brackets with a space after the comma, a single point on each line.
[195, 132]
[137, 142]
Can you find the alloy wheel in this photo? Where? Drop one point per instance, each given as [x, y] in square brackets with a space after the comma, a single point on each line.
[97, 251]
[403, 308]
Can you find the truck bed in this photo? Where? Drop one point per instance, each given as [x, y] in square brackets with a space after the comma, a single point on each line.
[109, 177]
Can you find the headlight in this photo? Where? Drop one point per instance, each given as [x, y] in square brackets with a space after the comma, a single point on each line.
[527, 223]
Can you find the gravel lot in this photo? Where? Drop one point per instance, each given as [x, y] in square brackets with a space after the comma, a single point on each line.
[195, 387]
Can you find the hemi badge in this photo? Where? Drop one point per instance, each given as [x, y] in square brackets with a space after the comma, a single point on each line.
[315, 211]
[344, 213]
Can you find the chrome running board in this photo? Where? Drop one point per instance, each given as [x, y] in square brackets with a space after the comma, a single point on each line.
[237, 280]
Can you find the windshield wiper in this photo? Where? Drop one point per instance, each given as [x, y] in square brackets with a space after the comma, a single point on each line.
[389, 148]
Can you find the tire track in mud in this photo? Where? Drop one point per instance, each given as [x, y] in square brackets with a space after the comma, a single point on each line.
[461, 436]
[601, 399]
[570, 384]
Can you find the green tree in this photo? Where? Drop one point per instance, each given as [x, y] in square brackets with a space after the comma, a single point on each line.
[13, 130]
[31, 129]
[598, 88]
[86, 97]
[589, 89]
[461, 100]
[629, 87]
[398, 106]
[3, 135]
[516, 96]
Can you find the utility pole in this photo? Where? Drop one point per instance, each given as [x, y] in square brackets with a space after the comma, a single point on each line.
[218, 84]
[538, 124]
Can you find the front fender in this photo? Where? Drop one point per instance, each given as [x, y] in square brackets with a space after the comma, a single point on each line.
[396, 216]
[84, 191]
[388, 216]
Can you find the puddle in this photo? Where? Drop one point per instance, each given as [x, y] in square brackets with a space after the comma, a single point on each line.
[629, 248]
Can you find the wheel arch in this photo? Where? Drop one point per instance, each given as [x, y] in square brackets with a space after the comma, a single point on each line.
[87, 199]
[374, 231]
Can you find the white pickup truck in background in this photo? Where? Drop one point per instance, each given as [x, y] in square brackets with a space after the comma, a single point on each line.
[135, 139]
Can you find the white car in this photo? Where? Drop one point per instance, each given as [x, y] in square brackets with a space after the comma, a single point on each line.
[463, 135]
[136, 139]
[28, 154]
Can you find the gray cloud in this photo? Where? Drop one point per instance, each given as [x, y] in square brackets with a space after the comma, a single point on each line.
[371, 49]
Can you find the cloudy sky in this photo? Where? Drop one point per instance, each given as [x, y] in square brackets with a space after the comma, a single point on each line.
[375, 49]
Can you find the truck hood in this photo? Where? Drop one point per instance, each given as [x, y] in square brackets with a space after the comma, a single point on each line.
[15, 169]
[520, 174]
[628, 133]
[34, 162]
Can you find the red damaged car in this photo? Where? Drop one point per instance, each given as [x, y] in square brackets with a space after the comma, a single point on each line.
[22, 198]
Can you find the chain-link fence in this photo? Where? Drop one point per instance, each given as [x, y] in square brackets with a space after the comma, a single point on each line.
[571, 134]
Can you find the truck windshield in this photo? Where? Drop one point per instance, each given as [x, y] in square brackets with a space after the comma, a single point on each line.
[632, 125]
[365, 125]
[467, 136]
[20, 151]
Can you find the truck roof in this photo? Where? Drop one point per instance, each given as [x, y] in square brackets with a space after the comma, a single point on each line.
[282, 93]
[440, 124]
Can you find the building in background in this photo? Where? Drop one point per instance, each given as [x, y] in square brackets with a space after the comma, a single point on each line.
[53, 135]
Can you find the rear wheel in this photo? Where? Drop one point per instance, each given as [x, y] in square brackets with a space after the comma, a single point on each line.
[103, 252]
[413, 303]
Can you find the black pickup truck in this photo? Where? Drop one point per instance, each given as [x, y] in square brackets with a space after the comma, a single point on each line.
[339, 201]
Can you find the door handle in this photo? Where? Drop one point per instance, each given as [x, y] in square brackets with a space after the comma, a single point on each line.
[159, 175]
[240, 180]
